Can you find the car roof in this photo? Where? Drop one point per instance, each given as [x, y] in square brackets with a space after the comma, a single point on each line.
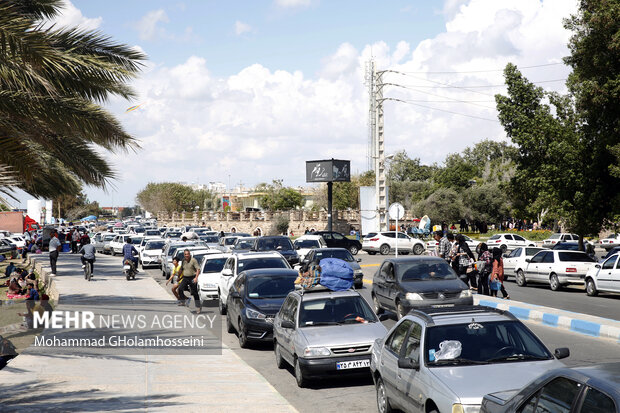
[414, 259]
[258, 254]
[273, 236]
[270, 271]
[307, 295]
[309, 236]
[603, 376]
[459, 314]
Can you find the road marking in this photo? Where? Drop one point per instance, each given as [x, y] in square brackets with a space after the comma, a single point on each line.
[370, 265]
[367, 281]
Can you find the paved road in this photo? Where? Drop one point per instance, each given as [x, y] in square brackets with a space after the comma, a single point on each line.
[358, 395]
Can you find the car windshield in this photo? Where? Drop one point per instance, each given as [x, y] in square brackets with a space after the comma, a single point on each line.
[136, 241]
[138, 230]
[214, 264]
[334, 311]
[571, 246]
[482, 343]
[424, 269]
[171, 234]
[154, 245]
[271, 244]
[211, 239]
[269, 286]
[243, 244]
[575, 256]
[152, 232]
[109, 237]
[341, 254]
[201, 231]
[307, 243]
[268, 262]
[229, 241]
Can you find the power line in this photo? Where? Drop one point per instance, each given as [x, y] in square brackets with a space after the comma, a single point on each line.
[486, 71]
[433, 94]
[442, 110]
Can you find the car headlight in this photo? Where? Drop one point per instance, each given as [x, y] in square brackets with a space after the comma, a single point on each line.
[465, 294]
[465, 408]
[254, 314]
[413, 297]
[358, 272]
[316, 352]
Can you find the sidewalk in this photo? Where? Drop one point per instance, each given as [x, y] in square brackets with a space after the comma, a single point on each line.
[46, 382]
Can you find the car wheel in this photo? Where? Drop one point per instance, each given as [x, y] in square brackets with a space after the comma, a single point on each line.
[376, 306]
[383, 403]
[300, 378]
[385, 249]
[591, 288]
[229, 327]
[277, 351]
[371, 252]
[400, 310]
[521, 279]
[353, 249]
[554, 282]
[418, 249]
[504, 248]
[221, 306]
[243, 336]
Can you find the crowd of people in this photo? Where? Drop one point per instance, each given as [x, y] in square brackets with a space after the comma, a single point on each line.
[484, 274]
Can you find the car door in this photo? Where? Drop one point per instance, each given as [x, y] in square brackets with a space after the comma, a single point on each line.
[328, 238]
[339, 240]
[546, 266]
[510, 261]
[388, 280]
[405, 243]
[226, 281]
[606, 274]
[235, 305]
[388, 365]
[378, 284]
[510, 242]
[519, 241]
[408, 387]
[531, 269]
[287, 334]
[390, 239]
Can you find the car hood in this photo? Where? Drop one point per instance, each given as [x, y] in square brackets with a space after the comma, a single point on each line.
[471, 383]
[288, 253]
[268, 306]
[435, 285]
[209, 277]
[343, 335]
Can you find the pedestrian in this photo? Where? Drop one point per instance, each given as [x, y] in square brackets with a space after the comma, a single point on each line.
[497, 274]
[190, 270]
[74, 241]
[176, 272]
[54, 248]
[9, 269]
[465, 257]
[443, 245]
[484, 269]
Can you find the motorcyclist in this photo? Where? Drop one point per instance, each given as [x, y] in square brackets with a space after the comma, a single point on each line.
[128, 254]
[88, 254]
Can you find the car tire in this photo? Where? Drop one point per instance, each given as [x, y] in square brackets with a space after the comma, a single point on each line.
[376, 305]
[591, 288]
[383, 402]
[520, 279]
[277, 351]
[353, 249]
[229, 327]
[300, 378]
[221, 306]
[371, 252]
[242, 335]
[418, 249]
[554, 283]
[385, 249]
[400, 310]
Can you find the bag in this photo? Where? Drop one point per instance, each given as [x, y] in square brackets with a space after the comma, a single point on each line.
[495, 285]
[336, 274]
[309, 278]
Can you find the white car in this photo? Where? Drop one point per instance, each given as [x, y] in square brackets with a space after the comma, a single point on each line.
[209, 278]
[508, 242]
[305, 243]
[237, 263]
[556, 268]
[150, 254]
[604, 277]
[517, 258]
[116, 245]
[559, 237]
[153, 233]
[473, 245]
[386, 242]
[608, 243]
[18, 240]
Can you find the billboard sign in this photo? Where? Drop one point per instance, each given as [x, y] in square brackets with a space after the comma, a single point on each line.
[329, 170]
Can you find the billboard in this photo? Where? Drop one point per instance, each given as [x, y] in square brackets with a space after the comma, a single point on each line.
[329, 170]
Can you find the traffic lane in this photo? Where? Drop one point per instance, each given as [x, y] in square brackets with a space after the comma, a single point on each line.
[571, 298]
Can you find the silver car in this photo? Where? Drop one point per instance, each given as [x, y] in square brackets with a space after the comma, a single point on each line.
[447, 359]
[325, 333]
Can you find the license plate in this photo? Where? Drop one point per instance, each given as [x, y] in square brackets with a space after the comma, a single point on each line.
[126, 267]
[354, 364]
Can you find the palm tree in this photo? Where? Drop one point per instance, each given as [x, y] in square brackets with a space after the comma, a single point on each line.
[54, 136]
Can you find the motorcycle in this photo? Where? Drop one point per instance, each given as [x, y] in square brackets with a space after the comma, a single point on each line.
[130, 270]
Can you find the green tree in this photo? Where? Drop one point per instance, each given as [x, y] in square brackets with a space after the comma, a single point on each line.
[445, 204]
[54, 134]
[166, 196]
[487, 202]
[456, 173]
[404, 177]
[276, 197]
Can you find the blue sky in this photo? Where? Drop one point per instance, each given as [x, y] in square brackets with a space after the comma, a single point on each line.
[248, 91]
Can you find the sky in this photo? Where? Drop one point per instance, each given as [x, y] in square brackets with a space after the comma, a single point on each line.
[247, 91]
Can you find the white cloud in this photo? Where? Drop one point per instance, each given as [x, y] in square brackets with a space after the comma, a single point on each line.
[71, 16]
[241, 28]
[289, 4]
[147, 26]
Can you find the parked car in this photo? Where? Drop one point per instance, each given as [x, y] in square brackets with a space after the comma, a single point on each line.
[337, 240]
[18, 240]
[559, 237]
[604, 277]
[447, 359]
[243, 244]
[508, 242]
[555, 267]
[175, 235]
[116, 245]
[138, 242]
[212, 241]
[209, 277]
[592, 389]
[307, 242]
[317, 254]
[238, 263]
[226, 243]
[401, 284]
[610, 242]
[610, 252]
[253, 301]
[386, 242]
[517, 258]
[107, 238]
[325, 333]
[152, 233]
[7, 247]
[574, 246]
[171, 250]
[473, 245]
[278, 243]
[150, 255]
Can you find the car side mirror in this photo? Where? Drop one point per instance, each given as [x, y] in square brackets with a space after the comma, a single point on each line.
[227, 272]
[597, 266]
[235, 294]
[287, 324]
[561, 353]
[297, 247]
[407, 363]
[384, 317]
[528, 260]
[389, 279]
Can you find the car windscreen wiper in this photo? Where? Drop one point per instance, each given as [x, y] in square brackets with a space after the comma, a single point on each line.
[458, 360]
[322, 323]
[517, 357]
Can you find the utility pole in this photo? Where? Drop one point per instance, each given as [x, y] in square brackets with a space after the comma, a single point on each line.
[380, 177]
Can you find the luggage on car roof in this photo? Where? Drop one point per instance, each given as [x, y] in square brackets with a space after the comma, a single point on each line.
[336, 274]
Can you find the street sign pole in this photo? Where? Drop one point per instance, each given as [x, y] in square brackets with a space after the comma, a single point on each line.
[397, 211]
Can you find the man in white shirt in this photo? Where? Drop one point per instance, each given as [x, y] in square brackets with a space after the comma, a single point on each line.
[54, 248]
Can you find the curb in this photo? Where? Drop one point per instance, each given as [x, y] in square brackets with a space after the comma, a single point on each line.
[551, 317]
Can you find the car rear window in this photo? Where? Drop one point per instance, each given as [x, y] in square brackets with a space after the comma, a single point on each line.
[496, 236]
[424, 270]
[341, 254]
[555, 236]
[214, 264]
[254, 263]
[532, 251]
[575, 256]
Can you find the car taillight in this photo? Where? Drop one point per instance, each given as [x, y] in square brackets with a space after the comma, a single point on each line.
[571, 270]
[553, 242]
[499, 240]
[374, 239]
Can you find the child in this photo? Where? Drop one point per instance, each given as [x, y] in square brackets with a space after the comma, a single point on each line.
[176, 271]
